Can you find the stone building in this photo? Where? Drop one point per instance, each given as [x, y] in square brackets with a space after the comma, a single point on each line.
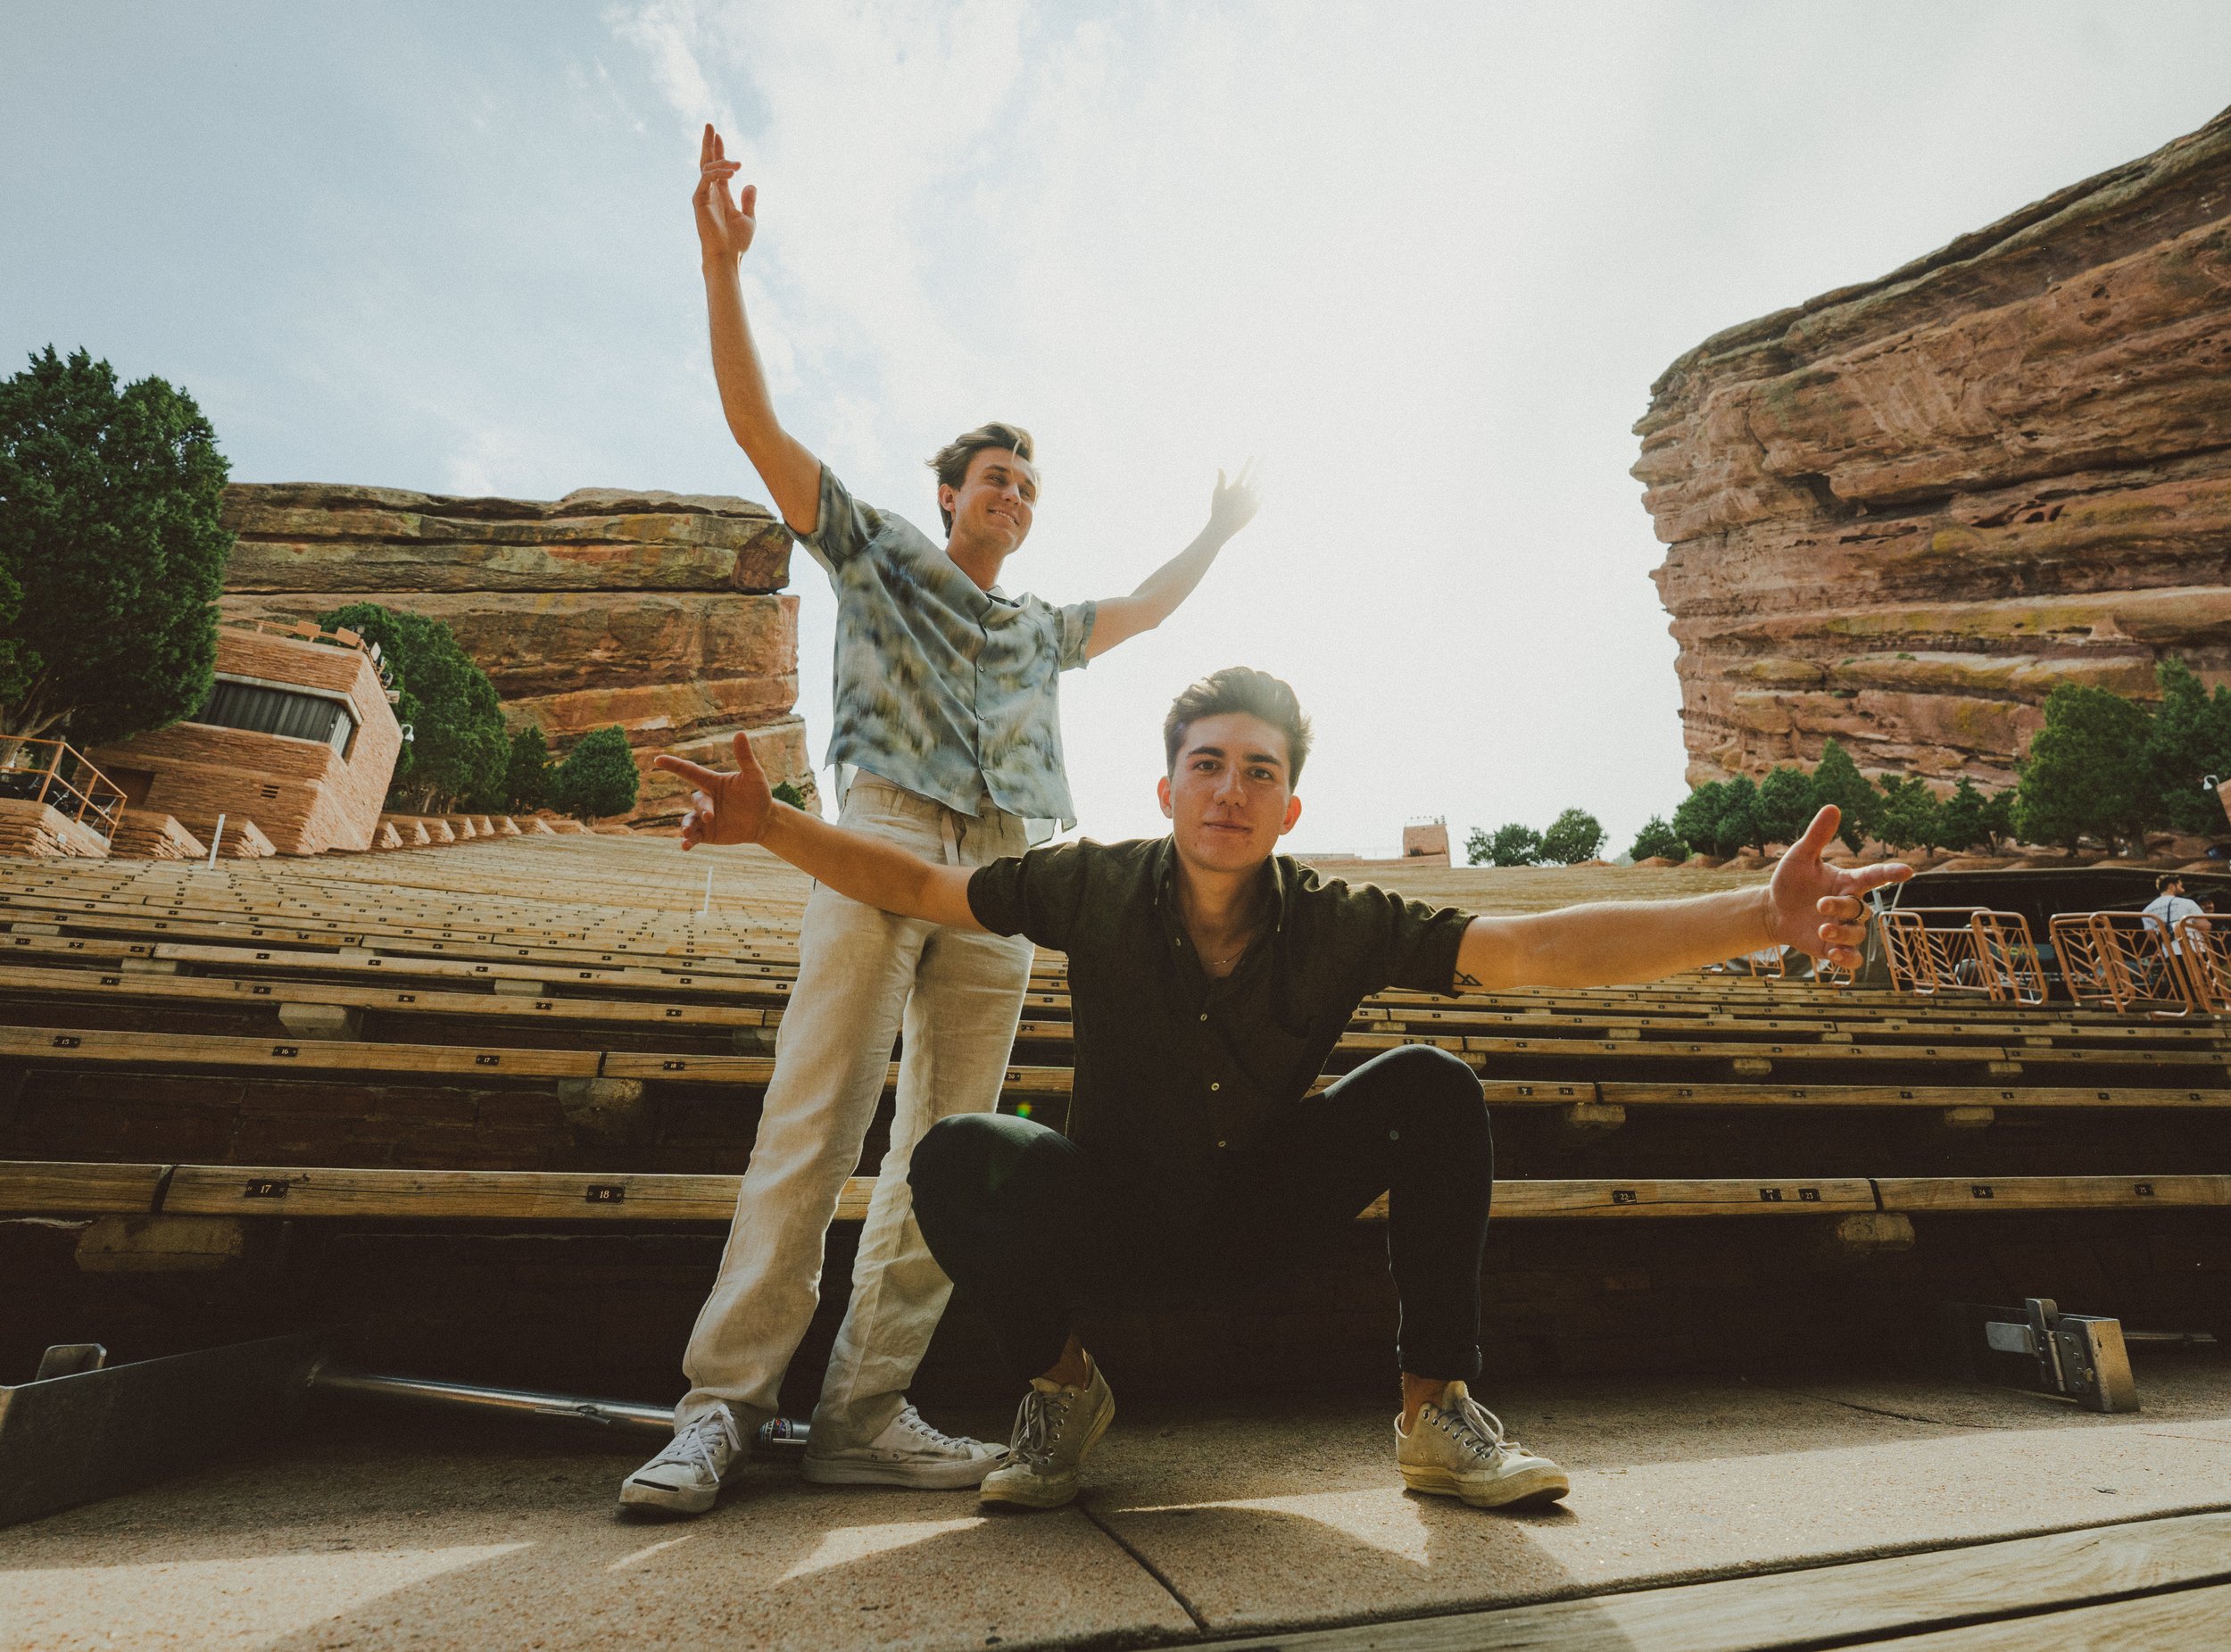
[296, 735]
[1898, 514]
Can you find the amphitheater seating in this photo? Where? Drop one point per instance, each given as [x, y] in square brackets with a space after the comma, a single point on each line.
[339, 997]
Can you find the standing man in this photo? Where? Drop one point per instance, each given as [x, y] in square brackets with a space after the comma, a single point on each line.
[1209, 979]
[948, 738]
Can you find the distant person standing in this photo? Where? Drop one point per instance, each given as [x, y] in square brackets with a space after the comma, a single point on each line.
[948, 738]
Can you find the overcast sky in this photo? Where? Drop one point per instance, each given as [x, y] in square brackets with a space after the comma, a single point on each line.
[1423, 262]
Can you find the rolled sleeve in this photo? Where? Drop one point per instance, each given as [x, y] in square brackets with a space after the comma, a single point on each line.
[1036, 894]
[843, 528]
[1076, 633]
[1409, 944]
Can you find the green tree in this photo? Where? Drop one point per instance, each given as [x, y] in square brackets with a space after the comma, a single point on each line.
[1574, 836]
[1960, 823]
[1514, 845]
[1908, 816]
[111, 555]
[599, 777]
[2188, 739]
[1657, 839]
[2087, 774]
[1736, 826]
[785, 792]
[1998, 818]
[457, 747]
[1836, 779]
[527, 777]
[1697, 818]
[1784, 805]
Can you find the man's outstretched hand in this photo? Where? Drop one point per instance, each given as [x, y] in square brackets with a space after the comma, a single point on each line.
[1232, 506]
[725, 225]
[724, 809]
[1819, 909]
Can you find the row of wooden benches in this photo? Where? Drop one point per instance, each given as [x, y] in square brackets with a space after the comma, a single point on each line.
[770, 984]
[31, 1188]
[417, 1062]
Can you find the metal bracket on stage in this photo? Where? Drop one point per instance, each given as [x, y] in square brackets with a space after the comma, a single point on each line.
[2036, 1346]
[82, 1429]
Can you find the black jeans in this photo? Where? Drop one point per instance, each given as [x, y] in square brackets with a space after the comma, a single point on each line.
[1033, 1226]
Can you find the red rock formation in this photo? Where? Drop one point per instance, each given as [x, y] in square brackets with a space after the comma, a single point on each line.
[1899, 513]
[656, 612]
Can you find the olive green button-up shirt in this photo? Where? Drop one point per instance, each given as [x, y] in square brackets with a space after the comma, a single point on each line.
[1175, 1068]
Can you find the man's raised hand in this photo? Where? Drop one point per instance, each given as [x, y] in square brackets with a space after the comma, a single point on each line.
[724, 809]
[725, 225]
[1822, 910]
[1234, 504]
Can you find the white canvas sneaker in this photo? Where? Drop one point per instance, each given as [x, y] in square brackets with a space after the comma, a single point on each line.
[909, 1452]
[1056, 1425]
[684, 1479]
[1457, 1448]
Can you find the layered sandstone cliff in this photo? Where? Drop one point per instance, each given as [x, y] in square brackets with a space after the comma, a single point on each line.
[1899, 513]
[661, 613]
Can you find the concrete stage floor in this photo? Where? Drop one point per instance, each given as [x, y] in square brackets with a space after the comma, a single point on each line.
[389, 1529]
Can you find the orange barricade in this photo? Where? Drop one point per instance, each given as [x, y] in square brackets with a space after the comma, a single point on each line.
[1948, 951]
[2129, 962]
[2205, 947]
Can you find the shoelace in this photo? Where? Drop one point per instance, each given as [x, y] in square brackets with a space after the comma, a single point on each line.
[911, 1422]
[1037, 1421]
[1471, 1417]
[694, 1443]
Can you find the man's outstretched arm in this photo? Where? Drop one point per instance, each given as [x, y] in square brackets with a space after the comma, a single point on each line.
[724, 228]
[1819, 909]
[1119, 619]
[741, 809]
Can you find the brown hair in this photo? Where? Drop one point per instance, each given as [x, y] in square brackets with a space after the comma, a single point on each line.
[952, 461]
[1239, 688]
[2161, 884]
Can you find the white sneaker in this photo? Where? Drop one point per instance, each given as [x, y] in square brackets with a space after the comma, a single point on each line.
[684, 1479]
[909, 1452]
[1457, 1448]
[1056, 1425]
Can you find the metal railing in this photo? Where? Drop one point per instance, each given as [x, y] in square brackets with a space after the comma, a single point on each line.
[56, 773]
[1964, 951]
[2132, 963]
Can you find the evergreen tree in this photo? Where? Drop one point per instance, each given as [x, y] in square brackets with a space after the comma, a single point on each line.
[2088, 773]
[1784, 805]
[527, 777]
[1836, 779]
[1960, 823]
[599, 777]
[458, 748]
[1574, 835]
[1998, 818]
[111, 552]
[1736, 823]
[1514, 845]
[1908, 816]
[2188, 739]
[1696, 821]
[1657, 839]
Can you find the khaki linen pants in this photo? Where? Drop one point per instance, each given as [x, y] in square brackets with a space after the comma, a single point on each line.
[862, 975]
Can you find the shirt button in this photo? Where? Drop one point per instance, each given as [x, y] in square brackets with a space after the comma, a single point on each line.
[1204, 1015]
[1215, 1086]
[1223, 1144]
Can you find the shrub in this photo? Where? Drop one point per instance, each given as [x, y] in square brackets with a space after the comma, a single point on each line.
[528, 777]
[1836, 779]
[1514, 845]
[1785, 805]
[2088, 773]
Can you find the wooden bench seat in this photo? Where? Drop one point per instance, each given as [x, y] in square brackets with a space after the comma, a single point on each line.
[173, 1049]
[30, 1187]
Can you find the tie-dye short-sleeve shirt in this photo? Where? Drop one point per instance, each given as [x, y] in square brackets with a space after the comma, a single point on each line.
[942, 687]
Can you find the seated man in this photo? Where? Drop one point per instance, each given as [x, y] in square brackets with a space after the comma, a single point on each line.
[1210, 980]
